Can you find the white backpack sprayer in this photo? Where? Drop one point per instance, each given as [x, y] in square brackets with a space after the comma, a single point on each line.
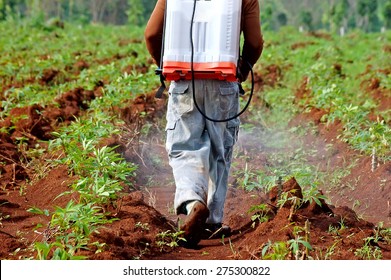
[213, 48]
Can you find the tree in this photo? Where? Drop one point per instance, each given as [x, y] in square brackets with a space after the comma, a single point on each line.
[2, 10]
[282, 19]
[10, 8]
[148, 8]
[116, 12]
[387, 14]
[267, 17]
[136, 12]
[339, 14]
[367, 11]
[97, 9]
[81, 12]
[306, 19]
[274, 13]
[374, 23]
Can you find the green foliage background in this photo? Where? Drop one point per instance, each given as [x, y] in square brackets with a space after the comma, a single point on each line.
[368, 15]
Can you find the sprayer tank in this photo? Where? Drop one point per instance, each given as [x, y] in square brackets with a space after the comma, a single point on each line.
[216, 39]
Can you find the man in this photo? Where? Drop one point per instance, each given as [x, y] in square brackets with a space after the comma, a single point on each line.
[200, 151]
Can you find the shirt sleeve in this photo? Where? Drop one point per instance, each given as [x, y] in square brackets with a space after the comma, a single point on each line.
[253, 39]
[154, 31]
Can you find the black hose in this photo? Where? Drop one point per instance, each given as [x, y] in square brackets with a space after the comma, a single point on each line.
[193, 78]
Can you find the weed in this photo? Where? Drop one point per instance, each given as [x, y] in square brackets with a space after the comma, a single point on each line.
[142, 226]
[222, 240]
[58, 251]
[143, 251]
[260, 215]
[296, 244]
[342, 225]
[329, 251]
[100, 247]
[336, 230]
[263, 181]
[151, 198]
[356, 204]
[245, 178]
[169, 239]
[275, 251]
[36, 161]
[294, 201]
[235, 254]
[2, 216]
[368, 251]
[333, 230]
[382, 233]
[313, 195]
[298, 248]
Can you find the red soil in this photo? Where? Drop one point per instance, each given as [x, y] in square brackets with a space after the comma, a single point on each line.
[126, 239]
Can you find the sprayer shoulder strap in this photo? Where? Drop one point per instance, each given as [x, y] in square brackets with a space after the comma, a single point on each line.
[162, 88]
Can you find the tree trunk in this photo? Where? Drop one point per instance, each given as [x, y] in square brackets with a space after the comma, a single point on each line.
[97, 9]
[59, 9]
[70, 9]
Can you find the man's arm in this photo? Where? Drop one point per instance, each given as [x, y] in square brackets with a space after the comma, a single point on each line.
[253, 41]
[154, 31]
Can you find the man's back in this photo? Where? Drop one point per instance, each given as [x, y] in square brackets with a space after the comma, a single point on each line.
[250, 26]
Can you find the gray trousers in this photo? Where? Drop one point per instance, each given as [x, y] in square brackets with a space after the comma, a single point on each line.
[200, 151]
